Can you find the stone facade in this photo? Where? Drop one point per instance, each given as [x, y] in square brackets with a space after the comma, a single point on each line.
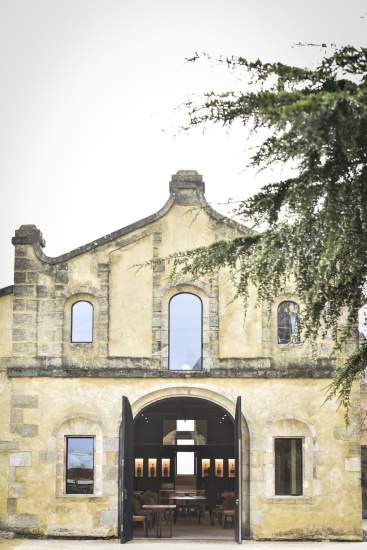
[51, 387]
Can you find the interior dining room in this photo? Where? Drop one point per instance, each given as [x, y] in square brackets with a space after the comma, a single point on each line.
[184, 471]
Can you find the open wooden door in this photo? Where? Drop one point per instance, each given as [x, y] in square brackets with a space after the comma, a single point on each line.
[238, 480]
[125, 487]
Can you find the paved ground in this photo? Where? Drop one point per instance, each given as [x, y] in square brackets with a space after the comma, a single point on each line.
[22, 544]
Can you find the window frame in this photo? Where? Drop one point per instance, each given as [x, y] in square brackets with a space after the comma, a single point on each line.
[289, 495]
[72, 322]
[67, 437]
[201, 332]
[289, 343]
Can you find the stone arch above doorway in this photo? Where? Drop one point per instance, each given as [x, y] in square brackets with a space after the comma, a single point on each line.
[198, 392]
[184, 391]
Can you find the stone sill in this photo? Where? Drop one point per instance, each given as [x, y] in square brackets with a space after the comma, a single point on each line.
[81, 345]
[81, 497]
[291, 499]
[290, 347]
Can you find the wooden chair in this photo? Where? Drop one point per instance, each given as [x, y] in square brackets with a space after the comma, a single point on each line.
[138, 511]
[143, 520]
[227, 514]
[217, 514]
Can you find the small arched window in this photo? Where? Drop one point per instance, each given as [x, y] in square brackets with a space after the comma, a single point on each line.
[288, 323]
[185, 332]
[82, 322]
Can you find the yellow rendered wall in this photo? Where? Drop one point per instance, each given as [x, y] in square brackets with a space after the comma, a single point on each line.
[332, 511]
[240, 330]
[130, 317]
[129, 310]
[186, 228]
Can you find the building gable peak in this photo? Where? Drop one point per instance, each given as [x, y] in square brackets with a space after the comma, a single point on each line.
[187, 187]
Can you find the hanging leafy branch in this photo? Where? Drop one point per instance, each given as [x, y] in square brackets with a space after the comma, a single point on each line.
[314, 223]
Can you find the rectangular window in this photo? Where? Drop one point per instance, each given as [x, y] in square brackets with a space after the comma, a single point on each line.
[185, 463]
[288, 466]
[185, 425]
[80, 465]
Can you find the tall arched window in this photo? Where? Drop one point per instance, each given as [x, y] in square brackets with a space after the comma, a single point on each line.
[82, 322]
[288, 323]
[185, 332]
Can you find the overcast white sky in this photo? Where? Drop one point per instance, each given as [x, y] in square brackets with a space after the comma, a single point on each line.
[88, 97]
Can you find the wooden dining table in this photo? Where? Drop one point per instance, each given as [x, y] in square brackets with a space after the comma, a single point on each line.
[188, 500]
[160, 510]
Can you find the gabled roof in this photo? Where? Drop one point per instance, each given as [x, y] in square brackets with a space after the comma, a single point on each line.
[186, 188]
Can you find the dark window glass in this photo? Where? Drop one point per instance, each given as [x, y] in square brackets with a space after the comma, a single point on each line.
[288, 323]
[79, 465]
[82, 322]
[185, 332]
[288, 466]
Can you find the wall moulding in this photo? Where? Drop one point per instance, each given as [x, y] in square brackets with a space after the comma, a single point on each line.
[135, 370]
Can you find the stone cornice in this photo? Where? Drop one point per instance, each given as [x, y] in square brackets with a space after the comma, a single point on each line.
[299, 371]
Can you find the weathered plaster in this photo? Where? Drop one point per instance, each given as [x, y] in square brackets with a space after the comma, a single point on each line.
[270, 407]
[51, 388]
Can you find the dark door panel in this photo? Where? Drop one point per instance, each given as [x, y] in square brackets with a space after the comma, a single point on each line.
[238, 480]
[125, 490]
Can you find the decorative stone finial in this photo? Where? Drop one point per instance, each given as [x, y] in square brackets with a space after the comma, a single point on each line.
[28, 234]
[186, 186]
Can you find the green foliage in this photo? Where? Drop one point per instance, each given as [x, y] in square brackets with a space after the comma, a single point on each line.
[345, 375]
[314, 223]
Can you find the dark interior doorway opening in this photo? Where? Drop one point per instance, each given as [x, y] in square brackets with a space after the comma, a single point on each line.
[185, 462]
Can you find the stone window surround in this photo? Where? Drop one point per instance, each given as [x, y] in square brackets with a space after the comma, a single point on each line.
[202, 291]
[287, 297]
[69, 302]
[79, 425]
[290, 427]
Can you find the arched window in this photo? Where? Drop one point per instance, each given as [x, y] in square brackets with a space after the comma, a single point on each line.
[288, 323]
[82, 322]
[185, 332]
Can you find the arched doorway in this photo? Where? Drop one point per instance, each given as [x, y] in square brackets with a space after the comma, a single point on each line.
[183, 454]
